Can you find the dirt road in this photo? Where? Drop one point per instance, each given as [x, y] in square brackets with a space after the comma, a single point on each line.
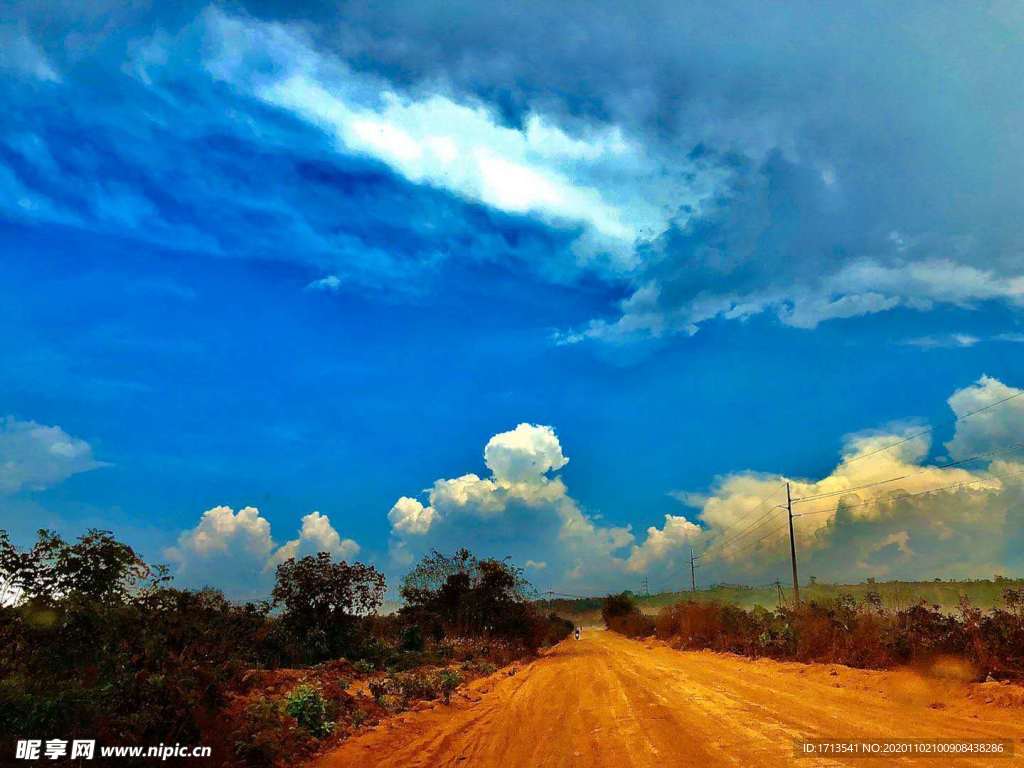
[606, 701]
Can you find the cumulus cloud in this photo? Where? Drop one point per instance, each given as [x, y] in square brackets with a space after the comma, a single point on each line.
[34, 457]
[236, 551]
[886, 509]
[520, 510]
[1000, 423]
[409, 516]
[663, 542]
[524, 454]
[317, 535]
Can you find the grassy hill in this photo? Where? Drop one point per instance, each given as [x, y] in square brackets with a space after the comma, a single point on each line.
[982, 593]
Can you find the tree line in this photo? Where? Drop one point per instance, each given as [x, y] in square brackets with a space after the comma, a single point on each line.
[97, 643]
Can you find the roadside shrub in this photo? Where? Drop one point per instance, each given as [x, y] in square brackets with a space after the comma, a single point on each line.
[452, 601]
[363, 667]
[306, 704]
[621, 614]
[263, 736]
[847, 632]
[448, 681]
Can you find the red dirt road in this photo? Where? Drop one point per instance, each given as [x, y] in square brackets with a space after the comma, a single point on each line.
[609, 702]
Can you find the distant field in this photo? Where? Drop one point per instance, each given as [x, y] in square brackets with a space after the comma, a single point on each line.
[984, 593]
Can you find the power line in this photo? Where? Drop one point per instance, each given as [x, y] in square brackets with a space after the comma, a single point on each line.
[752, 544]
[719, 547]
[929, 429]
[722, 543]
[893, 498]
[843, 491]
[722, 547]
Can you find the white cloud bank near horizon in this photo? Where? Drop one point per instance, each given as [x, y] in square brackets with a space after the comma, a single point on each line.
[885, 510]
[238, 552]
[954, 521]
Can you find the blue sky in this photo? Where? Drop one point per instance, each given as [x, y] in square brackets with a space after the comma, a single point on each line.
[307, 258]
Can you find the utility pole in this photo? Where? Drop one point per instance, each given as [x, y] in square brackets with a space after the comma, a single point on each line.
[693, 573]
[792, 544]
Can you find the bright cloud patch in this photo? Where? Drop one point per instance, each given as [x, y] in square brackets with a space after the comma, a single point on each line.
[236, 550]
[599, 179]
[884, 513]
[34, 457]
[330, 283]
[317, 535]
[885, 510]
[519, 511]
[524, 454]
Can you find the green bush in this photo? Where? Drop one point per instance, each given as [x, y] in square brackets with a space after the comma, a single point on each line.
[621, 614]
[306, 704]
[263, 736]
[448, 681]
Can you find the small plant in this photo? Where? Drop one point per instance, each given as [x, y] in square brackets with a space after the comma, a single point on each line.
[363, 667]
[486, 668]
[306, 704]
[448, 681]
[262, 736]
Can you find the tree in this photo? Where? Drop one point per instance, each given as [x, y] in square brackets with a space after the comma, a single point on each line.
[461, 595]
[323, 601]
[97, 567]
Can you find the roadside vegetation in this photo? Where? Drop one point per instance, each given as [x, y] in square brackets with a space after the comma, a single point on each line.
[894, 595]
[97, 644]
[858, 633]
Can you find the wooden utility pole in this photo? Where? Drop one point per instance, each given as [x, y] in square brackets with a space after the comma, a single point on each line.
[693, 573]
[792, 544]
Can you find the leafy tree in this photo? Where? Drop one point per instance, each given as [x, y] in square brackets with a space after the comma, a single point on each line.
[462, 596]
[323, 601]
[96, 567]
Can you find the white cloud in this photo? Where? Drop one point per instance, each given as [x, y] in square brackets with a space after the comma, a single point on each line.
[34, 457]
[329, 283]
[859, 288]
[991, 429]
[886, 513]
[524, 454]
[598, 179]
[236, 551]
[519, 511]
[222, 531]
[410, 516]
[862, 523]
[667, 541]
[943, 340]
[316, 535]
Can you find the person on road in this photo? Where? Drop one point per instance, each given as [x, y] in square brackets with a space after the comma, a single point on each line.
[578, 631]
